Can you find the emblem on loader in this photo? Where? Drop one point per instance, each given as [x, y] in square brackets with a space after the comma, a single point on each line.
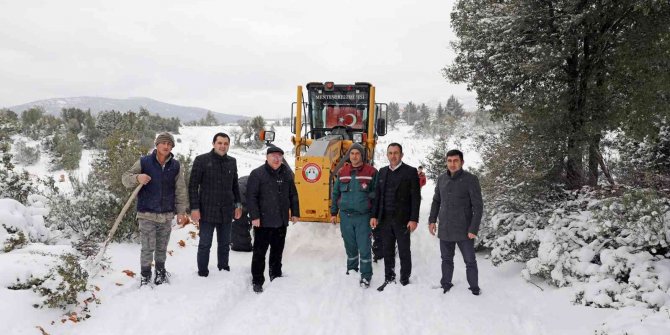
[311, 172]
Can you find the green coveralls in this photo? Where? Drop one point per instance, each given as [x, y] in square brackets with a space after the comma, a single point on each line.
[353, 203]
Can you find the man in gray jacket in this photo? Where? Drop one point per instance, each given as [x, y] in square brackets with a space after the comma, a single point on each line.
[458, 205]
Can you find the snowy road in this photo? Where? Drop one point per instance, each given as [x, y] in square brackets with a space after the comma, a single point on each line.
[316, 297]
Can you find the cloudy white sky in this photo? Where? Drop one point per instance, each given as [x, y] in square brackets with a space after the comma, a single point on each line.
[237, 57]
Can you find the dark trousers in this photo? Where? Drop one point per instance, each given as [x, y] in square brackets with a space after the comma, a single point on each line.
[467, 248]
[393, 232]
[377, 244]
[265, 237]
[222, 239]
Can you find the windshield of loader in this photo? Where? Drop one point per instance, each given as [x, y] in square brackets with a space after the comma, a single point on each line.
[344, 106]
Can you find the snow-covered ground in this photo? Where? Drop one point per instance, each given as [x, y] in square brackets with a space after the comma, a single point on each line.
[314, 296]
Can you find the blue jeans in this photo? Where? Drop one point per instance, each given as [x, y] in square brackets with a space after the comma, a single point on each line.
[467, 248]
[222, 239]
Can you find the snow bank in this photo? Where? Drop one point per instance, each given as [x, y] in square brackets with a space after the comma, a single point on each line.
[15, 217]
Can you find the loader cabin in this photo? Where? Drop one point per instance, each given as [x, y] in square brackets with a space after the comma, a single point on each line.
[338, 110]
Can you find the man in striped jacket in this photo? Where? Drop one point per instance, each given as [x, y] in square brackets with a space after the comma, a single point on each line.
[352, 198]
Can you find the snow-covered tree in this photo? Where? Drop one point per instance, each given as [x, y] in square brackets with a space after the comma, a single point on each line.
[566, 66]
[454, 107]
[14, 184]
[423, 125]
[393, 112]
[25, 154]
[410, 113]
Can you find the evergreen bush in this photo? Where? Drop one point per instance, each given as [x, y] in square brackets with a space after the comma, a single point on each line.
[25, 154]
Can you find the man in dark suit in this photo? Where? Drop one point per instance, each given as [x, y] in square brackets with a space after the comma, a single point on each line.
[396, 211]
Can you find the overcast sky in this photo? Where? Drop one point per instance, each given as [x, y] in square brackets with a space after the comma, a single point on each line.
[236, 57]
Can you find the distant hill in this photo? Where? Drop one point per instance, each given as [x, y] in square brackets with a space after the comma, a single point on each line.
[96, 104]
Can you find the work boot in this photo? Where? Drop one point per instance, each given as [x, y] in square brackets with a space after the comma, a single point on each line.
[390, 279]
[145, 280]
[161, 276]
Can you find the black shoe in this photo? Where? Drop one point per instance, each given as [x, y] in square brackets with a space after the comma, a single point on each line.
[404, 281]
[203, 273]
[273, 277]
[161, 276]
[446, 288]
[355, 270]
[145, 280]
[365, 283]
[258, 288]
[226, 267]
[475, 291]
[389, 280]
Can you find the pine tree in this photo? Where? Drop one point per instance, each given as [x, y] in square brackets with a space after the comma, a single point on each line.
[435, 161]
[423, 125]
[439, 113]
[29, 120]
[393, 113]
[91, 134]
[14, 184]
[210, 120]
[124, 148]
[9, 124]
[66, 151]
[409, 113]
[454, 108]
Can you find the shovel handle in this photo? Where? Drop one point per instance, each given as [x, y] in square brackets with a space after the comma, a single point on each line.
[123, 212]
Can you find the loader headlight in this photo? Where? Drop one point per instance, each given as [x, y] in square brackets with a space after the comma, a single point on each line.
[357, 137]
[269, 136]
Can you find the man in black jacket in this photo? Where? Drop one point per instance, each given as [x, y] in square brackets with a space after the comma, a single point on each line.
[214, 194]
[458, 205]
[271, 193]
[396, 210]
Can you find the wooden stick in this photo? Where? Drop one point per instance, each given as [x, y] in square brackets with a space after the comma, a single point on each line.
[98, 258]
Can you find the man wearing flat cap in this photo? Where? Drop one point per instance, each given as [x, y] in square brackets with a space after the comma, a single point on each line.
[271, 199]
[162, 196]
[215, 196]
